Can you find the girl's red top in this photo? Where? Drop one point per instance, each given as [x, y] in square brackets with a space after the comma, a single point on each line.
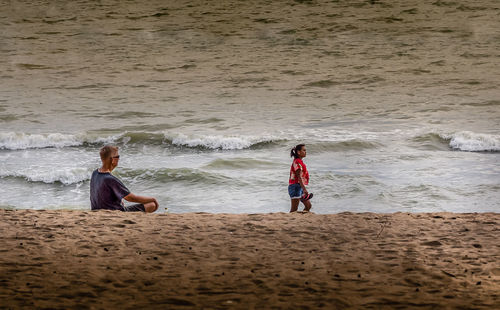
[296, 165]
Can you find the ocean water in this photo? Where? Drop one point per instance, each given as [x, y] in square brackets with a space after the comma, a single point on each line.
[398, 103]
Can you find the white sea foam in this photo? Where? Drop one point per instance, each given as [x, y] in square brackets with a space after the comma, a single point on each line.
[473, 142]
[217, 141]
[238, 142]
[66, 176]
[22, 141]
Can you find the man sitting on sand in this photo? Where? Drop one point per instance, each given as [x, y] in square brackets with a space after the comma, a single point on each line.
[107, 192]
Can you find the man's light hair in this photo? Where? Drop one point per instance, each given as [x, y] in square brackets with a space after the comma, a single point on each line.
[106, 151]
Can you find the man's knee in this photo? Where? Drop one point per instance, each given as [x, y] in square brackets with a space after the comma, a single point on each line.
[150, 207]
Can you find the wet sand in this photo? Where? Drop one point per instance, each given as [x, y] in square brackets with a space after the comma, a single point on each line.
[107, 260]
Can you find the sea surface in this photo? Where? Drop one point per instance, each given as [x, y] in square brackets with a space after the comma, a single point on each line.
[398, 103]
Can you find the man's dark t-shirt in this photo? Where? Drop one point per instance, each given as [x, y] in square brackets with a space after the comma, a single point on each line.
[106, 191]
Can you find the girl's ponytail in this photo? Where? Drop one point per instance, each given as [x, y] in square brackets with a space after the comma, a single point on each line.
[293, 152]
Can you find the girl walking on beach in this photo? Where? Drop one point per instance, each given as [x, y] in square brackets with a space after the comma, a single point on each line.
[299, 178]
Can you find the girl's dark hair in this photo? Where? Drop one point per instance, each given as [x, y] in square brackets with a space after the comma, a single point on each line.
[293, 152]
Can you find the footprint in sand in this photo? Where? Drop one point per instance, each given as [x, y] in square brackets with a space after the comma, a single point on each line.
[432, 243]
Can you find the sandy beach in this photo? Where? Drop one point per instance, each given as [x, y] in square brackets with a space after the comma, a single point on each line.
[107, 260]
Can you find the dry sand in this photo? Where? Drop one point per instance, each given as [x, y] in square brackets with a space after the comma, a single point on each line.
[106, 260]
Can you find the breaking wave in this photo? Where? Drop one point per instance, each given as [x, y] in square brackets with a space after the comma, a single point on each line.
[79, 175]
[214, 142]
[22, 141]
[463, 141]
[432, 142]
[66, 177]
[473, 142]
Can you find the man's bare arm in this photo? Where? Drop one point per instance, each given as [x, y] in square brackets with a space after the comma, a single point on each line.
[140, 199]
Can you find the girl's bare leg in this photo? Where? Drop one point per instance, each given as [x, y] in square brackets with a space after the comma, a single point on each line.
[295, 205]
[307, 205]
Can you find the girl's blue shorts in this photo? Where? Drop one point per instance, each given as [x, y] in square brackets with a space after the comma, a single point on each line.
[295, 191]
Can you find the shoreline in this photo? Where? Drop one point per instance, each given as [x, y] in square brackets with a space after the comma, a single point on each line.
[105, 259]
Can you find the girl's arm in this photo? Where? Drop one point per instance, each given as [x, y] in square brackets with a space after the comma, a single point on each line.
[298, 174]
